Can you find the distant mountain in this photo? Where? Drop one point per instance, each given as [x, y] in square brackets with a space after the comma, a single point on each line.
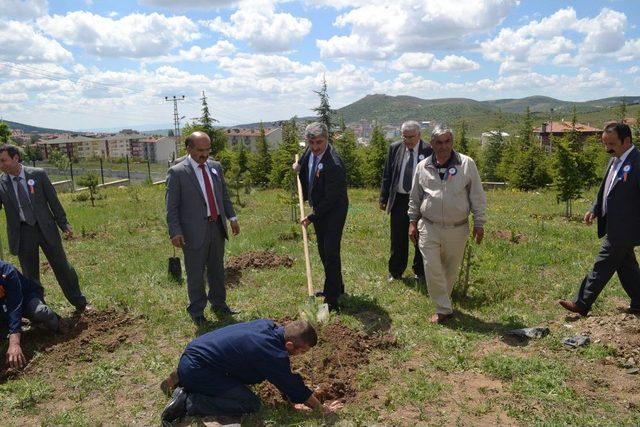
[544, 104]
[32, 129]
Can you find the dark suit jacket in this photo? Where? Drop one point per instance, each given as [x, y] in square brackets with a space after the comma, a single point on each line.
[392, 168]
[46, 207]
[329, 187]
[186, 204]
[622, 222]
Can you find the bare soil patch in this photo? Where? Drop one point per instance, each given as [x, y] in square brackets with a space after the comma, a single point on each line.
[90, 335]
[330, 367]
[510, 236]
[255, 259]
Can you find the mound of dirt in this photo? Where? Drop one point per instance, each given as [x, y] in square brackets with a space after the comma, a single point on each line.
[510, 236]
[620, 332]
[258, 259]
[89, 335]
[330, 367]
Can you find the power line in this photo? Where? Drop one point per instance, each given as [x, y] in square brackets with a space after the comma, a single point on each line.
[176, 119]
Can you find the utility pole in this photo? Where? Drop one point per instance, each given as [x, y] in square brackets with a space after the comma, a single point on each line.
[176, 120]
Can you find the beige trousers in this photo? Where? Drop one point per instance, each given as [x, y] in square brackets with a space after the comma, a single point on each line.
[442, 251]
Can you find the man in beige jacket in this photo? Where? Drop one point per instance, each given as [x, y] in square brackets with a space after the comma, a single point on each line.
[446, 188]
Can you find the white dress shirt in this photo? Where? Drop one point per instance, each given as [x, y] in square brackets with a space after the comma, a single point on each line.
[405, 160]
[23, 181]
[311, 163]
[614, 170]
[196, 167]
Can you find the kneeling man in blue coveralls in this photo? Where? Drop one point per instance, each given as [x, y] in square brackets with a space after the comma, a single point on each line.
[215, 369]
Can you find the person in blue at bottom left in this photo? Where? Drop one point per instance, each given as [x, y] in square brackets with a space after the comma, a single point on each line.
[21, 297]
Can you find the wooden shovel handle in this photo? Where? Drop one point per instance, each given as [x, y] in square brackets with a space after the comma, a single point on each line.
[305, 239]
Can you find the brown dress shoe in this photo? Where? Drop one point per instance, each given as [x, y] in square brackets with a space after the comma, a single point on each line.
[573, 307]
[170, 383]
[440, 318]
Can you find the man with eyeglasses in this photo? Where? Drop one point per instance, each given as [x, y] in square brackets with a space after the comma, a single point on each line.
[402, 158]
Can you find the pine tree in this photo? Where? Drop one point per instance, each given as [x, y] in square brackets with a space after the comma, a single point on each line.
[347, 147]
[206, 124]
[261, 164]
[636, 129]
[376, 157]
[243, 160]
[324, 110]
[5, 133]
[493, 151]
[282, 174]
[462, 141]
[567, 180]
[622, 110]
[529, 170]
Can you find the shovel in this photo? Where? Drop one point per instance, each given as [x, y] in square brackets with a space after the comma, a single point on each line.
[313, 312]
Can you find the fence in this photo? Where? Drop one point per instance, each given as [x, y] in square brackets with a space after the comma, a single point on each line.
[107, 171]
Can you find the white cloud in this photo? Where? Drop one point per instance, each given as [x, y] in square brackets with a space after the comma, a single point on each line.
[21, 43]
[190, 4]
[219, 50]
[262, 27]
[132, 36]
[380, 29]
[261, 65]
[23, 9]
[428, 61]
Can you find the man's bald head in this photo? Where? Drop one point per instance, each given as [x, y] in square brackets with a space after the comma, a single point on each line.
[196, 136]
[198, 146]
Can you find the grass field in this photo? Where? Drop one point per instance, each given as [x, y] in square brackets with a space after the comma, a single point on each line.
[466, 373]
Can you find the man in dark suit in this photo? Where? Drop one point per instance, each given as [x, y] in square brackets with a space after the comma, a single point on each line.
[402, 158]
[33, 214]
[617, 209]
[198, 207]
[324, 186]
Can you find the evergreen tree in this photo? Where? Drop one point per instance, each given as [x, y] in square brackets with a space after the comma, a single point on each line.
[529, 169]
[5, 133]
[341, 124]
[462, 141]
[243, 159]
[622, 110]
[636, 129]
[347, 147]
[261, 164]
[282, 174]
[206, 124]
[492, 154]
[376, 158]
[324, 110]
[567, 180]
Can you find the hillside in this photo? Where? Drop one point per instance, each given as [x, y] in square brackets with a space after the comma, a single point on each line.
[32, 129]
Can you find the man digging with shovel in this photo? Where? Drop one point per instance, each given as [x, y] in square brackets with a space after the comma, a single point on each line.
[215, 369]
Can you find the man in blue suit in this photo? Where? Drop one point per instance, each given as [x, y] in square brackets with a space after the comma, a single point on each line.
[617, 209]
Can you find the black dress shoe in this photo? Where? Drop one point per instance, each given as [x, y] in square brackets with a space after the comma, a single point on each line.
[199, 320]
[319, 294]
[176, 408]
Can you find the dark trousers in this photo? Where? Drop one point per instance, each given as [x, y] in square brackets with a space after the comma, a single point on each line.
[31, 240]
[329, 235]
[611, 259]
[37, 311]
[213, 393]
[400, 240]
[209, 257]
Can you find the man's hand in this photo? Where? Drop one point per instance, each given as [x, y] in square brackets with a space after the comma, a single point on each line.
[383, 206]
[68, 233]
[478, 234]
[178, 241]
[301, 407]
[332, 406]
[413, 232]
[305, 222]
[296, 166]
[15, 359]
[589, 217]
[235, 228]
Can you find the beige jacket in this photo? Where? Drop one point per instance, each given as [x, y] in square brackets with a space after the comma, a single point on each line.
[448, 201]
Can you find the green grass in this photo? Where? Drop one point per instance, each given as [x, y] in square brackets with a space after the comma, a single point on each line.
[121, 253]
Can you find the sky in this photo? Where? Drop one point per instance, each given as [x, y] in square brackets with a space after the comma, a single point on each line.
[87, 64]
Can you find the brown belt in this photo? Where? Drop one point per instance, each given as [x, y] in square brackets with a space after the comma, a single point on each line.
[444, 225]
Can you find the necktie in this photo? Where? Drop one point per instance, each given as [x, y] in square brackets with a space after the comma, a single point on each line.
[209, 191]
[25, 203]
[313, 170]
[408, 173]
[607, 184]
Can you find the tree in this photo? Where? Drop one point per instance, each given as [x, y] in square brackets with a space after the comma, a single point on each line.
[567, 176]
[170, 132]
[375, 158]
[261, 161]
[622, 110]
[282, 174]
[237, 180]
[462, 141]
[324, 110]
[636, 129]
[243, 159]
[347, 147]
[90, 180]
[59, 160]
[492, 154]
[206, 124]
[5, 133]
[32, 152]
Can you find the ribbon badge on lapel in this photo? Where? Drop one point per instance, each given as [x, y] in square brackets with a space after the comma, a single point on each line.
[32, 186]
[421, 157]
[626, 169]
[318, 169]
[214, 172]
[451, 173]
